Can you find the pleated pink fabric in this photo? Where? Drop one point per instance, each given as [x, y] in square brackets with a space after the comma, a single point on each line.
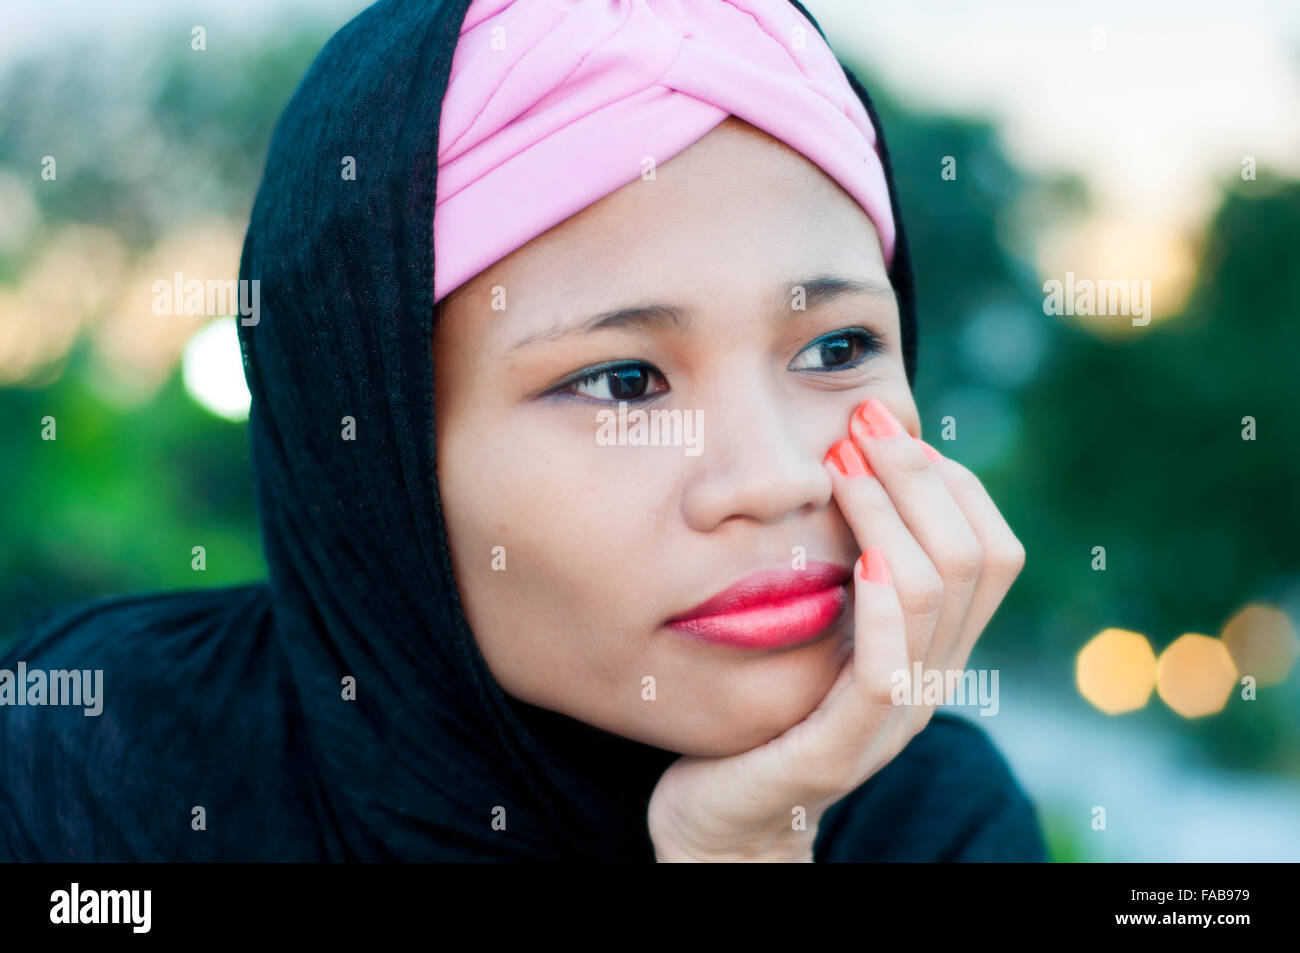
[554, 104]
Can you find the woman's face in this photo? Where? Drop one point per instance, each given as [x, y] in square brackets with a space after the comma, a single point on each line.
[602, 543]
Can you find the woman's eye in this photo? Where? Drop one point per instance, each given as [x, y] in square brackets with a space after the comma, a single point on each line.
[629, 382]
[842, 349]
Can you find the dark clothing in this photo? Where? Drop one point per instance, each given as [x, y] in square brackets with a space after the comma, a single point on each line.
[122, 785]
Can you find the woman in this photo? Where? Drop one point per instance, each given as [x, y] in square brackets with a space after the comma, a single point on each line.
[497, 627]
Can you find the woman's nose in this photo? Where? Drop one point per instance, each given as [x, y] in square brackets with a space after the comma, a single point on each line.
[758, 463]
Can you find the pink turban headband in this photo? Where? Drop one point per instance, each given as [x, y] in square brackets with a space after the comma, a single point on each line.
[552, 104]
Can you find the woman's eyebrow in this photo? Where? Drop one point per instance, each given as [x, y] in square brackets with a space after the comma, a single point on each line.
[815, 291]
[825, 288]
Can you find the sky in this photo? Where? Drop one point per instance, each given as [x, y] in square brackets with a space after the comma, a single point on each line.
[1154, 104]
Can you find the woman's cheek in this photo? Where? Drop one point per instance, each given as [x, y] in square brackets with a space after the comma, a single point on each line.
[546, 516]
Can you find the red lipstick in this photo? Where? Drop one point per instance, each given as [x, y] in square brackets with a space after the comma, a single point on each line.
[770, 609]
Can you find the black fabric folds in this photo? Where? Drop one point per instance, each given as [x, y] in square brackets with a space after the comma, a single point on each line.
[231, 699]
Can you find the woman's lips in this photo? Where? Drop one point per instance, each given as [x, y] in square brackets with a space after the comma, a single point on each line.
[770, 609]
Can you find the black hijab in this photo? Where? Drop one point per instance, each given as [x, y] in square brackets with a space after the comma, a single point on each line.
[233, 699]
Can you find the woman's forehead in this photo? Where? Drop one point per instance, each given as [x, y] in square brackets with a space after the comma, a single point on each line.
[734, 207]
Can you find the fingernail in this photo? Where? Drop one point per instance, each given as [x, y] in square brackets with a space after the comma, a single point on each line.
[876, 417]
[930, 452]
[872, 567]
[848, 459]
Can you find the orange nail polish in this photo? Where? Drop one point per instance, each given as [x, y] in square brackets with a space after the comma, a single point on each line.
[872, 567]
[930, 452]
[848, 459]
[876, 417]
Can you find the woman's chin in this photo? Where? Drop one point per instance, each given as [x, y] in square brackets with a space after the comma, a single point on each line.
[750, 719]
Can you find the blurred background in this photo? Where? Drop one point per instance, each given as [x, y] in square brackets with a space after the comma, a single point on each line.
[1148, 651]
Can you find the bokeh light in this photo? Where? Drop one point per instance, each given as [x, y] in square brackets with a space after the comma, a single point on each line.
[213, 370]
[135, 349]
[1195, 675]
[67, 284]
[1262, 642]
[1116, 670]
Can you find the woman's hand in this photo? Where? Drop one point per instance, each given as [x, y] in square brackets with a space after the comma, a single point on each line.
[940, 558]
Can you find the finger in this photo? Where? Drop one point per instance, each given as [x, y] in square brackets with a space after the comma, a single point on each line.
[872, 517]
[883, 665]
[1004, 556]
[926, 507]
[858, 723]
